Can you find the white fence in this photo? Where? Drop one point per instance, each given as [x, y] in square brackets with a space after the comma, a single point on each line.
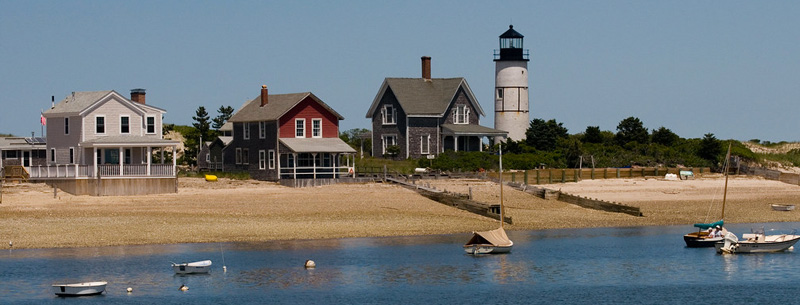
[84, 171]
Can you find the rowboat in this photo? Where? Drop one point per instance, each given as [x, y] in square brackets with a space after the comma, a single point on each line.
[79, 289]
[194, 267]
[211, 178]
[782, 207]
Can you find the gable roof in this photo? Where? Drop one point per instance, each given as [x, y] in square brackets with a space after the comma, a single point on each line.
[78, 102]
[278, 105]
[419, 96]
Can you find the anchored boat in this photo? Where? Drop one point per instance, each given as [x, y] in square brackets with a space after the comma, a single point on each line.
[79, 289]
[194, 267]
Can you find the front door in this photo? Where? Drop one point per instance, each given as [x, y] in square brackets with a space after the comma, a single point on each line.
[26, 158]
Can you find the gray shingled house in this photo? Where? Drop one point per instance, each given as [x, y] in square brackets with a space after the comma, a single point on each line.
[426, 116]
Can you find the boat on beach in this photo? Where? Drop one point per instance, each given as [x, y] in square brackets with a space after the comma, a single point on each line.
[193, 267]
[782, 207]
[494, 241]
[756, 242]
[703, 237]
[79, 289]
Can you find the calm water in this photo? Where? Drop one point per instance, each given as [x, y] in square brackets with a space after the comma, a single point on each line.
[640, 265]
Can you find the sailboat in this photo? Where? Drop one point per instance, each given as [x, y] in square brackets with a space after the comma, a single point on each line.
[493, 241]
[702, 238]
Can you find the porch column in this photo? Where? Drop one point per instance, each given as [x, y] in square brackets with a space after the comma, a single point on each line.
[149, 153]
[455, 143]
[174, 161]
[162, 154]
[335, 165]
[95, 162]
[314, 165]
[121, 160]
[480, 147]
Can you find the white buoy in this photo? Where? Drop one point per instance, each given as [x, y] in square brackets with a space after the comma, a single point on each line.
[10, 244]
[310, 264]
[224, 269]
[129, 290]
[183, 288]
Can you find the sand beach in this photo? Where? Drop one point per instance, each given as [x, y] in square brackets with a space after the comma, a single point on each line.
[236, 210]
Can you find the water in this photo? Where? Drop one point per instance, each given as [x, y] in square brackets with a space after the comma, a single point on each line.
[638, 265]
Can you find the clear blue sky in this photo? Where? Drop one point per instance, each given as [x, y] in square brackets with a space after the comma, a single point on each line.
[731, 68]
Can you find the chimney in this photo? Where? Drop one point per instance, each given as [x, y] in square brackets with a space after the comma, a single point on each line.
[426, 67]
[264, 95]
[137, 95]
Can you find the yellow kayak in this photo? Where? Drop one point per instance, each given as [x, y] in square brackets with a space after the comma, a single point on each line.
[211, 178]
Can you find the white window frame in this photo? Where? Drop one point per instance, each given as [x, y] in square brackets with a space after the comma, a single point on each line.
[262, 162]
[122, 125]
[245, 156]
[96, 125]
[461, 115]
[272, 159]
[238, 155]
[208, 157]
[316, 128]
[300, 132]
[383, 141]
[262, 130]
[425, 144]
[388, 119]
[246, 131]
[66, 125]
[147, 124]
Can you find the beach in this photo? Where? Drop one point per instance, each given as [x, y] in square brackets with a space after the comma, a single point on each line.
[255, 211]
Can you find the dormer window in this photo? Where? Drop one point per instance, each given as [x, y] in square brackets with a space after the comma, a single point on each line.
[461, 115]
[388, 115]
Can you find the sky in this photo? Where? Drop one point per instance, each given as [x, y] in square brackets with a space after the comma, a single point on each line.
[724, 67]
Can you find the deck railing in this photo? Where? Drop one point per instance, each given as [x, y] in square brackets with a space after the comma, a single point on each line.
[309, 172]
[104, 170]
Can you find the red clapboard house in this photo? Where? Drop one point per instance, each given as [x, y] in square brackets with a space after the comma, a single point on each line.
[288, 136]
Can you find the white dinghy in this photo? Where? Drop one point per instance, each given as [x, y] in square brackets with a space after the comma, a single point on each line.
[194, 267]
[79, 289]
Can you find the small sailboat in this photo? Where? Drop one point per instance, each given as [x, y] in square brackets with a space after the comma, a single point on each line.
[756, 242]
[494, 241]
[192, 268]
[704, 237]
[79, 289]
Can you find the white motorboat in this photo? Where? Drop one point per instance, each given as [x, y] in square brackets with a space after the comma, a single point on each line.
[756, 242]
[79, 289]
[194, 267]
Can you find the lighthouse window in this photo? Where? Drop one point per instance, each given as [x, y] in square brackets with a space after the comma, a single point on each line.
[461, 116]
[499, 93]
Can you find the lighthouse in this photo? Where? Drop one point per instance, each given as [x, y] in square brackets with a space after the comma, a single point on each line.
[511, 86]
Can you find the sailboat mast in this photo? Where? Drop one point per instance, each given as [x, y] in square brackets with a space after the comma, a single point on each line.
[725, 192]
[502, 213]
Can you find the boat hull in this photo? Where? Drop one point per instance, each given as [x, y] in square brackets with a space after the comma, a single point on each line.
[192, 268]
[759, 246]
[782, 207]
[487, 249]
[693, 241]
[80, 289]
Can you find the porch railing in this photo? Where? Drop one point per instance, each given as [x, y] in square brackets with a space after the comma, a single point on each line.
[105, 170]
[310, 172]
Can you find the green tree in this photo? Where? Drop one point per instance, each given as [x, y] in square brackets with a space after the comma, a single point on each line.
[710, 148]
[632, 130]
[592, 135]
[664, 136]
[543, 135]
[201, 122]
[224, 114]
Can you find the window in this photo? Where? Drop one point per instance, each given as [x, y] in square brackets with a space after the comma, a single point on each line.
[272, 159]
[300, 128]
[151, 124]
[388, 114]
[100, 125]
[238, 156]
[461, 115]
[262, 159]
[425, 144]
[246, 129]
[208, 157]
[499, 93]
[389, 140]
[128, 156]
[66, 125]
[316, 128]
[124, 124]
[262, 130]
[71, 155]
[53, 155]
[245, 156]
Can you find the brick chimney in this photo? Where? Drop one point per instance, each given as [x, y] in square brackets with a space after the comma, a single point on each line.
[137, 95]
[264, 95]
[426, 67]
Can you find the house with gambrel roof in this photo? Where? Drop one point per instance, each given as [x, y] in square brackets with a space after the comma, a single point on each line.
[288, 136]
[426, 116]
[102, 143]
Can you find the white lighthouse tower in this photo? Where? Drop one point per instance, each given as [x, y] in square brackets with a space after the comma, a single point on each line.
[511, 86]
